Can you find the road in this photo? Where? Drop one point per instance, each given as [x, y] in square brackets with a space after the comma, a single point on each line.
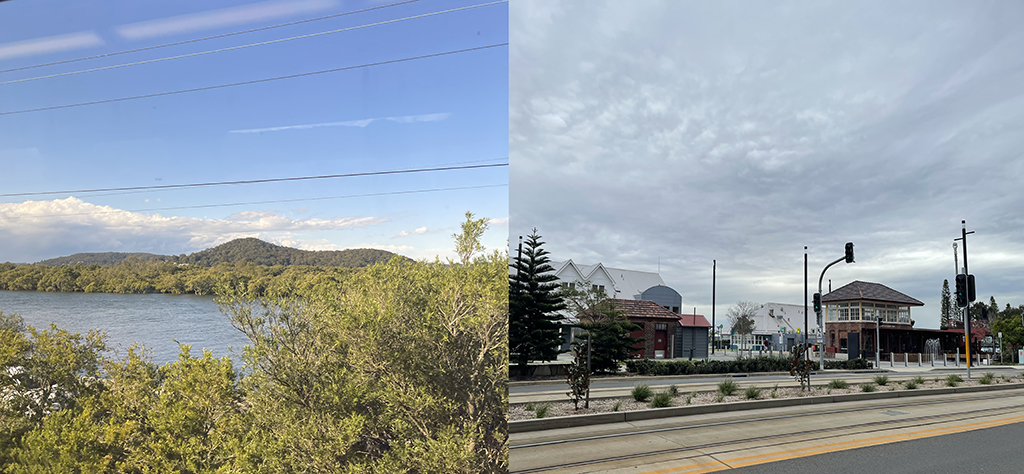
[600, 388]
[924, 434]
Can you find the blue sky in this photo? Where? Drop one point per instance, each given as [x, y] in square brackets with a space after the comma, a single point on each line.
[423, 113]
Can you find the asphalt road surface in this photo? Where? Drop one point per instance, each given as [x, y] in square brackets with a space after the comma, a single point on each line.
[958, 433]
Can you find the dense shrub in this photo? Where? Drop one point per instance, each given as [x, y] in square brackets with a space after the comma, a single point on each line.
[852, 364]
[686, 367]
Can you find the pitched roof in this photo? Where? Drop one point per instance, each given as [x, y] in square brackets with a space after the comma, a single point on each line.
[862, 290]
[693, 321]
[645, 310]
[628, 283]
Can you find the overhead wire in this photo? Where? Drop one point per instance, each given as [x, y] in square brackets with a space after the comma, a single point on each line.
[256, 81]
[250, 203]
[196, 40]
[265, 180]
[261, 43]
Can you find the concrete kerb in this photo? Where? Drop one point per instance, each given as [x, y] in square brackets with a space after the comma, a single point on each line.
[542, 424]
[640, 378]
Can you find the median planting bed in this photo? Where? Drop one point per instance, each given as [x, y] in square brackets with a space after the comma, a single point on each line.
[732, 392]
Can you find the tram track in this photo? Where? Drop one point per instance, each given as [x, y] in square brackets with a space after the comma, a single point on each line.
[775, 440]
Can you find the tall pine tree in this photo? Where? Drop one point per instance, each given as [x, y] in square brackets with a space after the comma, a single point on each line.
[534, 303]
[947, 306]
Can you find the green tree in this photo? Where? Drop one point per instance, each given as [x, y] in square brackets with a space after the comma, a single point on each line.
[534, 303]
[605, 324]
[468, 243]
[947, 306]
[1009, 323]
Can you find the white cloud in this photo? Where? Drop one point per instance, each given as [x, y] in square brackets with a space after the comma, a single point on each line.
[221, 18]
[34, 230]
[351, 123]
[50, 44]
[418, 231]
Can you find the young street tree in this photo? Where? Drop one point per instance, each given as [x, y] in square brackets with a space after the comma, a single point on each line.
[534, 303]
[741, 317]
[468, 242]
[947, 306]
[604, 322]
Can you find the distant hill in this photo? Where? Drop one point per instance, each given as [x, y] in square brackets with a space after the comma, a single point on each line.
[102, 258]
[241, 250]
[266, 253]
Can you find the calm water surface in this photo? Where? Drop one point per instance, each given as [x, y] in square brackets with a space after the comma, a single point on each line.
[154, 320]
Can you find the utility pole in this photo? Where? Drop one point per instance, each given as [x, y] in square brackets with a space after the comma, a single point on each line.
[807, 333]
[714, 272]
[821, 323]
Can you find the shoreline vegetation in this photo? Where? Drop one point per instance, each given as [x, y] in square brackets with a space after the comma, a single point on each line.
[257, 267]
[395, 367]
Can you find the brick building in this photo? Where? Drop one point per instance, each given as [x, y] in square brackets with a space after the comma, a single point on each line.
[665, 333]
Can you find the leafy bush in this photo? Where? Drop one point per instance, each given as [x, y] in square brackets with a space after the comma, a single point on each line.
[727, 387]
[673, 390]
[867, 387]
[661, 400]
[838, 384]
[854, 364]
[686, 367]
[918, 380]
[987, 378]
[641, 393]
[910, 384]
[616, 406]
[752, 393]
[882, 379]
[542, 410]
[953, 380]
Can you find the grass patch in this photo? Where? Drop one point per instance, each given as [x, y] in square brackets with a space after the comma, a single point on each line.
[838, 384]
[530, 406]
[987, 378]
[642, 393]
[542, 410]
[752, 392]
[661, 400]
[867, 387]
[882, 379]
[616, 406]
[953, 380]
[910, 384]
[775, 391]
[918, 380]
[727, 387]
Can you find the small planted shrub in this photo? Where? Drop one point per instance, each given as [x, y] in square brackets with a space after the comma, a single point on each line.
[689, 398]
[641, 393]
[752, 392]
[719, 397]
[542, 410]
[838, 384]
[661, 400]
[775, 391]
[882, 379]
[673, 390]
[727, 387]
[953, 380]
[530, 406]
[616, 406]
[918, 380]
[987, 378]
[910, 384]
[867, 387]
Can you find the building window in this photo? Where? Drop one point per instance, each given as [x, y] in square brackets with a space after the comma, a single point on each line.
[675, 309]
[597, 287]
[570, 284]
[660, 326]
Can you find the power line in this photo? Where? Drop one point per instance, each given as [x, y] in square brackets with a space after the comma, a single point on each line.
[257, 81]
[98, 56]
[250, 203]
[262, 43]
[267, 180]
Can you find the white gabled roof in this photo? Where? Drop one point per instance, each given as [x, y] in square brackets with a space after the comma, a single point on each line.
[629, 284]
[772, 316]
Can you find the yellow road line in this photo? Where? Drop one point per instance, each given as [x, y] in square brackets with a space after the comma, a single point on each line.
[744, 461]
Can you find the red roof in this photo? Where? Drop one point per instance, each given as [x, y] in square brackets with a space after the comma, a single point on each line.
[641, 309]
[693, 321]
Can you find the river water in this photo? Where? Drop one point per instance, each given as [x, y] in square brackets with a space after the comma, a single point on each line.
[154, 320]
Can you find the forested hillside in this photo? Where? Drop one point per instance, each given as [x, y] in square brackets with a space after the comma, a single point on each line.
[239, 250]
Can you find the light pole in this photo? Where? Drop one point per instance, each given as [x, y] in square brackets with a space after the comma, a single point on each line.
[878, 324]
[969, 287]
[821, 323]
[714, 272]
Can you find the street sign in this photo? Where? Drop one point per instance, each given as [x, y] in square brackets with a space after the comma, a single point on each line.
[783, 330]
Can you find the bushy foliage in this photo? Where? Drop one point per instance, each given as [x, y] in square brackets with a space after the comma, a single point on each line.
[400, 367]
[661, 400]
[727, 387]
[687, 367]
[852, 364]
[881, 379]
[838, 384]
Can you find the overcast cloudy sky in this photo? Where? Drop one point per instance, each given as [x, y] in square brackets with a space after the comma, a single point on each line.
[743, 131]
[447, 110]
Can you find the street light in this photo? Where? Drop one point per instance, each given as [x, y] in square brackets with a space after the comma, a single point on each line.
[848, 257]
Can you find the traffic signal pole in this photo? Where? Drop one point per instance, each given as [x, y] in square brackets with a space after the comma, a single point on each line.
[969, 283]
[821, 322]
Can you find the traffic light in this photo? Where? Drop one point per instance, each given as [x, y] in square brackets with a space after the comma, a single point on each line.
[961, 291]
[817, 302]
[970, 288]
